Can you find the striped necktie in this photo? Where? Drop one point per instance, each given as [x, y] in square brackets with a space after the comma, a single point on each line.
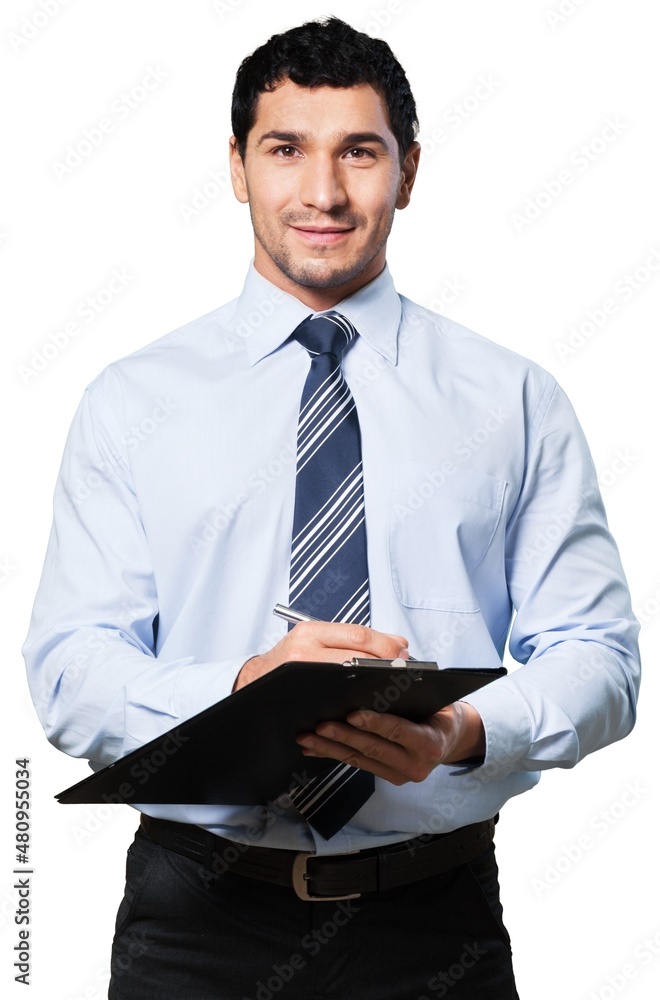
[329, 574]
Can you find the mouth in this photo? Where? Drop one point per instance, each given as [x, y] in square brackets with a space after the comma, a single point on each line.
[322, 235]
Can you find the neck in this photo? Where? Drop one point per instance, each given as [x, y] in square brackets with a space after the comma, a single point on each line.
[318, 299]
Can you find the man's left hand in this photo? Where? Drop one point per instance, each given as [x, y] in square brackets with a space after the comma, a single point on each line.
[396, 749]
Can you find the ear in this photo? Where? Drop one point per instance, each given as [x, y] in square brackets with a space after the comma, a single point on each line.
[237, 170]
[408, 174]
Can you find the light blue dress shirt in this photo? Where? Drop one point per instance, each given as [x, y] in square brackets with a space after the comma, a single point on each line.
[484, 521]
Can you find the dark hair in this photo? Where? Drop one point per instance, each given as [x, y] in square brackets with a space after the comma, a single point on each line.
[326, 52]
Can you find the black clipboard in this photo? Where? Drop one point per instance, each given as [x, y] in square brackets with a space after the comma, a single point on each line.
[242, 750]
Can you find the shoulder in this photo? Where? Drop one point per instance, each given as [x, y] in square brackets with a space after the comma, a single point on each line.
[187, 350]
[465, 357]
[460, 341]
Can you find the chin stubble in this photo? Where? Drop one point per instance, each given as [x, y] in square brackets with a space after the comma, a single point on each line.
[307, 275]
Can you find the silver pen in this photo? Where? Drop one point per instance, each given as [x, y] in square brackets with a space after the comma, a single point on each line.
[291, 615]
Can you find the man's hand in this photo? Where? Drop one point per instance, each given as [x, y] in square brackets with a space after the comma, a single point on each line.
[396, 749]
[326, 642]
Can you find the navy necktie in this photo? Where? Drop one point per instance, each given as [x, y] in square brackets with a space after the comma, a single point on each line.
[329, 574]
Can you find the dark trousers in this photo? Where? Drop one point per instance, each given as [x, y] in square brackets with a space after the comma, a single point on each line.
[183, 934]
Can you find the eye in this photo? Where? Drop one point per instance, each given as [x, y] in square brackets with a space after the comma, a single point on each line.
[359, 153]
[287, 152]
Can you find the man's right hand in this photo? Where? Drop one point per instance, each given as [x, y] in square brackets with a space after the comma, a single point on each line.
[327, 642]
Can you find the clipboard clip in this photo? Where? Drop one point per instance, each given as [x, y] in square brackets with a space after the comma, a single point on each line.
[398, 664]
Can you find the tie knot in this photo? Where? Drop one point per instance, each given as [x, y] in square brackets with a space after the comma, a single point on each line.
[329, 333]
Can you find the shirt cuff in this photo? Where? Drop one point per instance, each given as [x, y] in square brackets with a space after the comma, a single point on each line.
[209, 683]
[507, 726]
[195, 688]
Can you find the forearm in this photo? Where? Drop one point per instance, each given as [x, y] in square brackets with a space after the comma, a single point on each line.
[577, 697]
[573, 631]
[99, 695]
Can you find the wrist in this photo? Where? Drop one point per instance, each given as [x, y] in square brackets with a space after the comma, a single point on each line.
[470, 743]
[246, 674]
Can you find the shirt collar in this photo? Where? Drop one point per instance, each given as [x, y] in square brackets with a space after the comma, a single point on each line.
[267, 315]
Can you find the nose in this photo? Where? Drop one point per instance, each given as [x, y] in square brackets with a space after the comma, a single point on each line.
[321, 183]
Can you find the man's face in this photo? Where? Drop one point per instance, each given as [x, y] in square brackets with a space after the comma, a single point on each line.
[322, 176]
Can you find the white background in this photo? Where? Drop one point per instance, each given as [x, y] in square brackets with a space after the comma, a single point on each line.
[558, 72]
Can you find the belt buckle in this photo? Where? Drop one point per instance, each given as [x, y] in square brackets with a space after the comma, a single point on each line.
[300, 878]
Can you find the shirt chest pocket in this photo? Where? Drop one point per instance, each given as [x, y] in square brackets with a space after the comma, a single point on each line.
[440, 529]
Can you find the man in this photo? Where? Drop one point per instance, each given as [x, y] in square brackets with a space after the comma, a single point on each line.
[475, 497]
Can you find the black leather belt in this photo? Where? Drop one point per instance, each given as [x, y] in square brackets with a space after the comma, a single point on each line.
[326, 876]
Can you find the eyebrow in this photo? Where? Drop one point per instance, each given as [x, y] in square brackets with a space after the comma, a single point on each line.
[352, 139]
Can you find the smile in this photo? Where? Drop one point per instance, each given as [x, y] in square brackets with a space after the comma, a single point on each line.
[321, 235]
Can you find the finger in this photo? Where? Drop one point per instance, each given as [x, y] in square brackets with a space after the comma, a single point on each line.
[343, 635]
[399, 638]
[376, 760]
[401, 751]
[392, 728]
[423, 741]
[397, 743]
[383, 737]
[322, 654]
[340, 738]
